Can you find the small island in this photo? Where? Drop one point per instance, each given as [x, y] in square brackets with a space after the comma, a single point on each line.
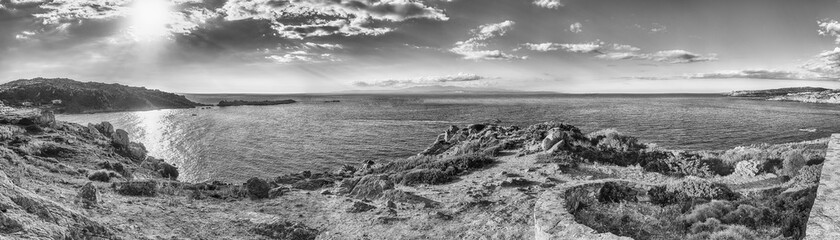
[254, 103]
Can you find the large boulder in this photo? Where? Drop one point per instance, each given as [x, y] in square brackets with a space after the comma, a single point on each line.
[166, 170]
[136, 188]
[105, 128]
[120, 139]
[136, 151]
[371, 187]
[46, 118]
[257, 188]
[88, 196]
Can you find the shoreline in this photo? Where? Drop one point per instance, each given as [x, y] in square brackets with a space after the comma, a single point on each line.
[452, 189]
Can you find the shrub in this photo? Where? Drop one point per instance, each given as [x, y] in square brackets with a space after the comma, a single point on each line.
[101, 175]
[793, 162]
[577, 199]
[613, 192]
[424, 176]
[735, 232]
[700, 188]
[710, 225]
[562, 158]
[713, 209]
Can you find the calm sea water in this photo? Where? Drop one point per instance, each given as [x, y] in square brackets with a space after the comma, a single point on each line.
[236, 143]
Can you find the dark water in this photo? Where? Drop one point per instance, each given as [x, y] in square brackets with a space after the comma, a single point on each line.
[235, 143]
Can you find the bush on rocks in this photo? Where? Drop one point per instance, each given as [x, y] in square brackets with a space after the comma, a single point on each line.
[312, 184]
[613, 192]
[87, 196]
[166, 170]
[102, 176]
[424, 176]
[793, 162]
[371, 187]
[136, 188]
[257, 188]
[701, 188]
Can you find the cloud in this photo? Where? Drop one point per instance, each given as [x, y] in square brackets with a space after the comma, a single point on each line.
[458, 79]
[759, 74]
[829, 27]
[472, 49]
[826, 63]
[592, 47]
[326, 46]
[620, 52]
[302, 57]
[552, 4]
[576, 27]
[315, 18]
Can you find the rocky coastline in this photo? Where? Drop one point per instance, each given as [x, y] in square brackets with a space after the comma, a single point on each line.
[547, 181]
[806, 95]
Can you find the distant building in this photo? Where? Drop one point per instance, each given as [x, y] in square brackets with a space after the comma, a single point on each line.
[56, 101]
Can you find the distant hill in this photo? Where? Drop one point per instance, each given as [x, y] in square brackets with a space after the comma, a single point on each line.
[776, 92]
[70, 96]
[438, 89]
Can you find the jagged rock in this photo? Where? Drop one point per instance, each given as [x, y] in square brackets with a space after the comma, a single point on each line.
[88, 196]
[285, 230]
[311, 184]
[326, 192]
[371, 187]
[136, 151]
[359, 206]
[390, 204]
[475, 128]
[345, 170]
[120, 139]
[347, 185]
[749, 168]
[277, 192]
[46, 118]
[168, 171]
[105, 128]
[516, 182]
[257, 188]
[136, 188]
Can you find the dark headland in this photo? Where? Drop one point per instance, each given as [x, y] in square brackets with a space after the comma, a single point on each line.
[69, 96]
[254, 103]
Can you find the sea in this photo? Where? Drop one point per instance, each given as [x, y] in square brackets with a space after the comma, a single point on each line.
[320, 134]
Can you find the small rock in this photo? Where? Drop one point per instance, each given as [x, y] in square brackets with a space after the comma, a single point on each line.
[257, 188]
[390, 204]
[516, 182]
[277, 192]
[306, 174]
[105, 128]
[326, 192]
[359, 206]
[371, 187]
[168, 171]
[311, 184]
[88, 195]
[440, 215]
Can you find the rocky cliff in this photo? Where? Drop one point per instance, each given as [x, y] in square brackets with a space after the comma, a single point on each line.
[65, 95]
[804, 94]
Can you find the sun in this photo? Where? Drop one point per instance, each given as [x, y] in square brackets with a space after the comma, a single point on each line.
[149, 19]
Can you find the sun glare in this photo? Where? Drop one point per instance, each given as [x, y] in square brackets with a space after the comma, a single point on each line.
[149, 19]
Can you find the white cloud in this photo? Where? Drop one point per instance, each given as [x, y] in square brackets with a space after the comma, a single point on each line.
[620, 52]
[829, 28]
[576, 27]
[759, 74]
[326, 46]
[302, 57]
[552, 4]
[457, 79]
[826, 63]
[472, 49]
[303, 19]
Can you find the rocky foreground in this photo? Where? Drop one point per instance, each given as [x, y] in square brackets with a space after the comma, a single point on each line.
[548, 181]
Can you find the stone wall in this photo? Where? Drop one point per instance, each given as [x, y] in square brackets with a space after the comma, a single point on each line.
[824, 221]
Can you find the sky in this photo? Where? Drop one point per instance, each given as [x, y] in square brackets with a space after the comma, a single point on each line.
[309, 46]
